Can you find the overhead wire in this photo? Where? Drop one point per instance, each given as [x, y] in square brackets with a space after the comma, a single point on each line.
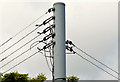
[47, 61]
[92, 57]
[19, 48]
[44, 48]
[71, 50]
[97, 60]
[19, 40]
[20, 62]
[43, 32]
[49, 10]
[22, 30]
[50, 48]
[34, 43]
[19, 55]
[52, 53]
[29, 25]
[97, 66]
[44, 23]
[51, 57]
[51, 34]
[46, 38]
[47, 45]
[5, 42]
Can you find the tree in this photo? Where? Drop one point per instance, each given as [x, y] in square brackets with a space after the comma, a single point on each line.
[40, 77]
[72, 79]
[15, 77]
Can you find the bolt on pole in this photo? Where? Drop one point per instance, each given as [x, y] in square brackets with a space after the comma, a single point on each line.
[59, 48]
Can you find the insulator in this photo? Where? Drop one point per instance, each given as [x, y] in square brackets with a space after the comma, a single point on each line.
[53, 35]
[48, 20]
[44, 47]
[67, 42]
[69, 48]
[48, 36]
[48, 28]
[70, 42]
[51, 9]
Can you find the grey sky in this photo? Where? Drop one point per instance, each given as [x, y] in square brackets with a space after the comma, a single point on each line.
[92, 26]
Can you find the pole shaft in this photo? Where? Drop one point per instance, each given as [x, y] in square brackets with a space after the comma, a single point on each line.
[59, 48]
[118, 40]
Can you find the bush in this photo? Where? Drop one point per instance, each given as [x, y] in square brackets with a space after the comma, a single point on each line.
[15, 77]
[40, 78]
[72, 79]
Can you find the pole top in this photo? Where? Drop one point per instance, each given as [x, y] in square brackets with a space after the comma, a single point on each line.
[59, 3]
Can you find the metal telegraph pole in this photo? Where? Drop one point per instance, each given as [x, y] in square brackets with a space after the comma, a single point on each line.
[59, 48]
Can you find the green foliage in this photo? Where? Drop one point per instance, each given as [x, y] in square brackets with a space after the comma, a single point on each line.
[40, 78]
[1, 74]
[72, 79]
[15, 77]
[1, 77]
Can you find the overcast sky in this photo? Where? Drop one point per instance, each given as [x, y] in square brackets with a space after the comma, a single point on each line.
[91, 25]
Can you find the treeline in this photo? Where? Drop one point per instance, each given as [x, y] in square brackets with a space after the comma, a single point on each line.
[17, 77]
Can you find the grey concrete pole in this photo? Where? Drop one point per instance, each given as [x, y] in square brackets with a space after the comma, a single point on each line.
[118, 40]
[59, 48]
